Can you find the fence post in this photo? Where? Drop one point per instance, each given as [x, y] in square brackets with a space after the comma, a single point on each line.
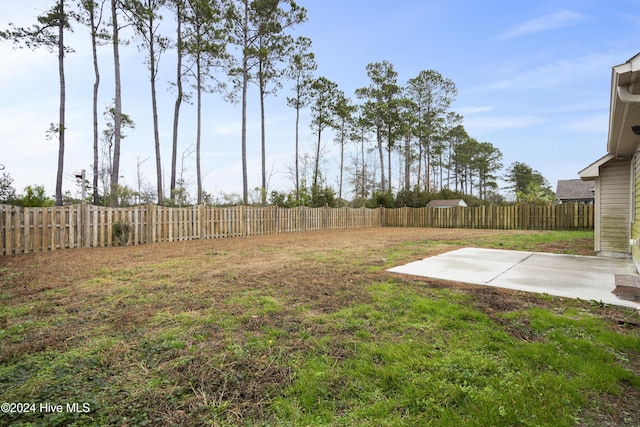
[325, 220]
[303, 218]
[9, 228]
[148, 218]
[84, 225]
[245, 220]
[3, 247]
[200, 221]
[346, 223]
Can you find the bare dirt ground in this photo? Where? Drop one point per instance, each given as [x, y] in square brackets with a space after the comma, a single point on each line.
[270, 250]
[312, 269]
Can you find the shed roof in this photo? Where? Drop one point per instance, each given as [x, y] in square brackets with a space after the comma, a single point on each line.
[572, 189]
[446, 203]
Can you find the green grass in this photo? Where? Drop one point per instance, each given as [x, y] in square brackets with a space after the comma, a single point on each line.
[433, 360]
[324, 339]
[567, 242]
[527, 241]
[533, 241]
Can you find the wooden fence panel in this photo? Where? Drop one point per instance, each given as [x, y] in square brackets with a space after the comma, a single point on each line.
[24, 230]
[524, 217]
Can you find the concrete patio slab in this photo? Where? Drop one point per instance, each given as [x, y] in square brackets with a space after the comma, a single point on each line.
[571, 276]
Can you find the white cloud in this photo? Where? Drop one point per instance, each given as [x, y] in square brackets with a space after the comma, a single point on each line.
[230, 127]
[598, 124]
[490, 123]
[559, 72]
[563, 18]
[568, 108]
[473, 109]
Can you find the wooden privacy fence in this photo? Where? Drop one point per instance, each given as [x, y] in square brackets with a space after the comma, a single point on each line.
[24, 230]
[568, 216]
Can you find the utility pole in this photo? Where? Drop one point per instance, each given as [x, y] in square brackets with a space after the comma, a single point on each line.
[82, 177]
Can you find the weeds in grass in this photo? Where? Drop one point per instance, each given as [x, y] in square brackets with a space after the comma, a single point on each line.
[436, 361]
[313, 339]
[559, 241]
[122, 232]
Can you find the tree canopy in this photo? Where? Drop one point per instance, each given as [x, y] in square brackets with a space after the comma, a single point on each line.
[392, 136]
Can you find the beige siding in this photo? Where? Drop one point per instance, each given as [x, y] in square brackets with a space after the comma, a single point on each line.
[635, 218]
[614, 218]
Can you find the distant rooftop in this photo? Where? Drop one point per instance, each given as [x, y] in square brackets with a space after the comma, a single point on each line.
[575, 189]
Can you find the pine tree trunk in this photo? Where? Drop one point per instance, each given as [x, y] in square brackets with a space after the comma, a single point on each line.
[363, 182]
[341, 163]
[383, 183]
[407, 163]
[245, 81]
[440, 169]
[419, 165]
[263, 188]
[389, 166]
[428, 166]
[449, 168]
[61, 124]
[96, 85]
[297, 150]
[117, 109]
[154, 107]
[317, 162]
[199, 128]
[176, 108]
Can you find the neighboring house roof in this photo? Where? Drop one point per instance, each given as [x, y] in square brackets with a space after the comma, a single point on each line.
[575, 189]
[624, 110]
[446, 203]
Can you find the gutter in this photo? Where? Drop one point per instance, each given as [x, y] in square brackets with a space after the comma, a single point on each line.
[626, 96]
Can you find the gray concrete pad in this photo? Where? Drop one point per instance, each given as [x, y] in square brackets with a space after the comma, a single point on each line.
[571, 276]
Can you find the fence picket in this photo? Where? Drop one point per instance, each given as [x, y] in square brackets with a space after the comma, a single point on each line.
[25, 230]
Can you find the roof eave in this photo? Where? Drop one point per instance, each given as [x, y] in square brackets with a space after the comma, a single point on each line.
[620, 140]
[593, 170]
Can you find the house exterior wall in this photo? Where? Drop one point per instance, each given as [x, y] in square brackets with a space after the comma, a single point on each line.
[635, 212]
[614, 219]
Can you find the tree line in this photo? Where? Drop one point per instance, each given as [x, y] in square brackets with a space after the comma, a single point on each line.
[392, 137]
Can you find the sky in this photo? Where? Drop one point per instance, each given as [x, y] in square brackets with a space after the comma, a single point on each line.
[533, 79]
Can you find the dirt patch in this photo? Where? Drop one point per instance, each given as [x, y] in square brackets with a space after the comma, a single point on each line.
[493, 300]
[313, 270]
[623, 409]
[277, 284]
[576, 247]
